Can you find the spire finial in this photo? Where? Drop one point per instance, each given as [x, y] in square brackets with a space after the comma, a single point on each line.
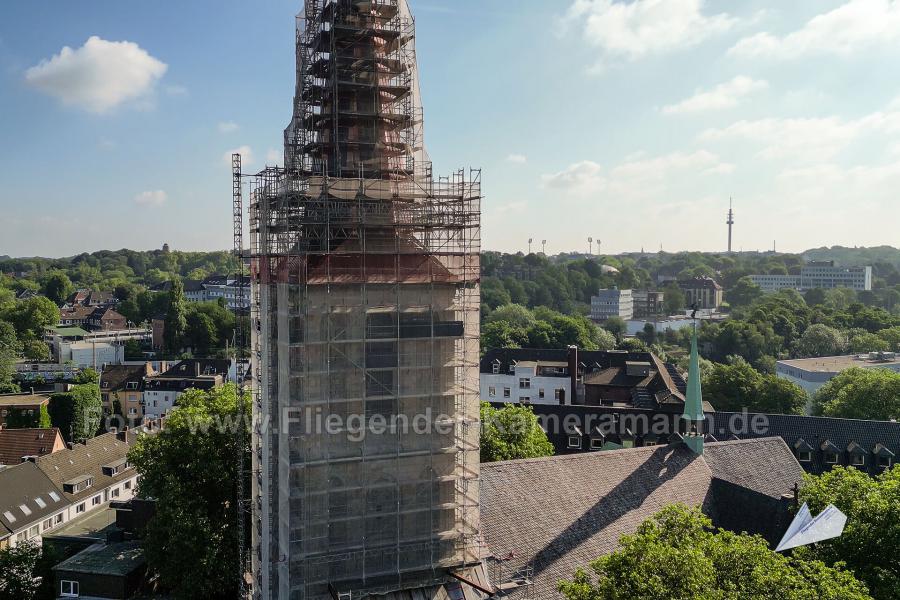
[693, 405]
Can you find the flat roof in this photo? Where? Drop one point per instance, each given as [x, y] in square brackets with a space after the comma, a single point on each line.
[69, 331]
[835, 364]
[101, 559]
[24, 399]
[93, 524]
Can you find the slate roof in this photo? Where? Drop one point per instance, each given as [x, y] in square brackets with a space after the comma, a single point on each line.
[25, 485]
[115, 377]
[196, 367]
[88, 459]
[815, 432]
[18, 443]
[78, 312]
[559, 513]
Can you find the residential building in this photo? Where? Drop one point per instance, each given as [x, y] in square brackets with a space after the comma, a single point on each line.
[75, 316]
[365, 303]
[613, 378]
[26, 405]
[106, 318]
[122, 388]
[612, 303]
[161, 392]
[818, 275]
[92, 298]
[30, 504]
[648, 304]
[18, 445]
[93, 473]
[70, 344]
[232, 289]
[812, 373]
[818, 443]
[547, 517]
[704, 292]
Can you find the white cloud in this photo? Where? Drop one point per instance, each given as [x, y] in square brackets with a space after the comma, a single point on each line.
[227, 127]
[724, 95]
[582, 176]
[246, 155]
[518, 159]
[805, 139]
[176, 90]
[644, 27]
[151, 198]
[635, 178]
[99, 76]
[848, 29]
[274, 157]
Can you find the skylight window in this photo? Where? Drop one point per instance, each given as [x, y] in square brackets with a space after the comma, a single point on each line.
[54, 496]
[9, 516]
[40, 502]
[25, 509]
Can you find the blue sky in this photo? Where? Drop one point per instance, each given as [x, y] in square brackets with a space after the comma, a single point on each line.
[631, 122]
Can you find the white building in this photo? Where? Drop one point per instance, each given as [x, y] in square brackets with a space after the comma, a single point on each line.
[527, 382]
[612, 303]
[812, 373]
[91, 354]
[818, 275]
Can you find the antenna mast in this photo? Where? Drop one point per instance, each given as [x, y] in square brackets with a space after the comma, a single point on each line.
[730, 222]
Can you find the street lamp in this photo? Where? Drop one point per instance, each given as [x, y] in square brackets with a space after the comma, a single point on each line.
[544, 247]
[590, 246]
[529, 244]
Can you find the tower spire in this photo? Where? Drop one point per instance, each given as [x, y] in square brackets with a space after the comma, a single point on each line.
[730, 222]
[693, 405]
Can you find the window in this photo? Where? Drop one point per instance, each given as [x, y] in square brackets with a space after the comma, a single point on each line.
[114, 493]
[525, 400]
[648, 444]
[804, 456]
[492, 391]
[132, 411]
[127, 485]
[857, 460]
[34, 532]
[95, 500]
[524, 383]
[48, 524]
[68, 589]
[574, 441]
[507, 392]
[54, 496]
[59, 518]
[596, 444]
[9, 516]
[496, 368]
[557, 394]
[884, 461]
[541, 393]
[25, 509]
[831, 458]
[40, 502]
[80, 508]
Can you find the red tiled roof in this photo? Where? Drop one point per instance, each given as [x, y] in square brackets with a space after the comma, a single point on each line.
[18, 443]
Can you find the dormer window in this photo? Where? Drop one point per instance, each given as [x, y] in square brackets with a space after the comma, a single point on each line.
[804, 456]
[114, 468]
[596, 443]
[79, 484]
[857, 460]
[131, 385]
[574, 441]
[884, 462]
[831, 458]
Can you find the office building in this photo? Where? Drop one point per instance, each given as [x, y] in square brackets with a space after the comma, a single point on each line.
[612, 303]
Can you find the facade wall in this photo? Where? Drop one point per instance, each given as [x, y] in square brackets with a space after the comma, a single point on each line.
[556, 390]
[612, 303]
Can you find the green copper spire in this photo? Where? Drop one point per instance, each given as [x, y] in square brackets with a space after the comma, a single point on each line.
[693, 404]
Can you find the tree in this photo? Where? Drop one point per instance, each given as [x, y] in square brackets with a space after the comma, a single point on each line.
[871, 394]
[191, 469]
[10, 348]
[616, 326]
[57, 287]
[633, 345]
[867, 342]
[78, 413]
[18, 569]
[648, 335]
[744, 293]
[840, 298]
[678, 555]
[511, 432]
[870, 544]
[514, 314]
[36, 350]
[736, 386]
[891, 336]
[501, 334]
[201, 332]
[815, 297]
[176, 318]
[87, 375]
[820, 340]
[673, 299]
[31, 316]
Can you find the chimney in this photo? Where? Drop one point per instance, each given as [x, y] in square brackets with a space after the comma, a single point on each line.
[573, 373]
[122, 436]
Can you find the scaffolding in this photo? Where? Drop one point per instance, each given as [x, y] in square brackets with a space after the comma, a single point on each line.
[365, 321]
